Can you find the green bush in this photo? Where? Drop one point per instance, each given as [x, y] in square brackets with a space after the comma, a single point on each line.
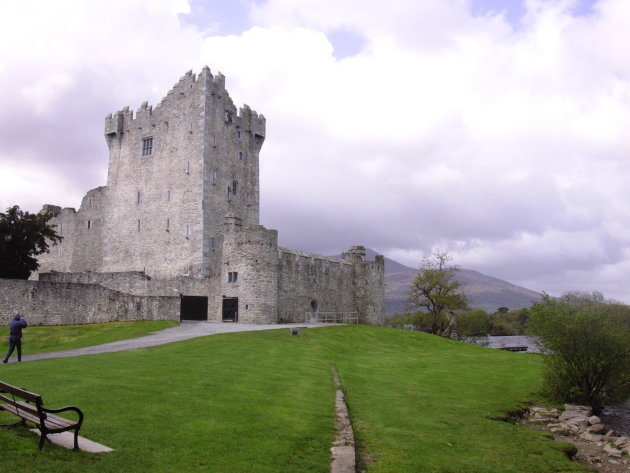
[587, 343]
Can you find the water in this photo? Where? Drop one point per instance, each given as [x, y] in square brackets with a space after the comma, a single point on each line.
[618, 418]
[491, 341]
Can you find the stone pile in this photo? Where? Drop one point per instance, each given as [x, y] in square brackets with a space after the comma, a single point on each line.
[579, 423]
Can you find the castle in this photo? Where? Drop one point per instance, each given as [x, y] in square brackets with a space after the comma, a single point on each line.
[179, 218]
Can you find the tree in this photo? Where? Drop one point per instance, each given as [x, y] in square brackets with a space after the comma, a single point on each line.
[472, 323]
[436, 290]
[23, 236]
[586, 339]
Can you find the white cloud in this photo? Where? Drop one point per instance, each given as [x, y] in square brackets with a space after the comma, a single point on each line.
[507, 146]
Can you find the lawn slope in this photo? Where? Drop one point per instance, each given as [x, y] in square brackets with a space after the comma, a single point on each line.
[264, 402]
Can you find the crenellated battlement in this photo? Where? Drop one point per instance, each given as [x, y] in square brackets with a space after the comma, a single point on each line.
[212, 86]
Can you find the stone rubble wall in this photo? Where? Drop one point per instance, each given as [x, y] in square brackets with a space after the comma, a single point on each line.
[54, 303]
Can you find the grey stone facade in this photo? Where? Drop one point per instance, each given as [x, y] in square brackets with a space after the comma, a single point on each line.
[180, 216]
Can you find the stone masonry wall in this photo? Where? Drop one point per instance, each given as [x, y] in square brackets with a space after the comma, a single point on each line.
[310, 284]
[48, 303]
[369, 285]
[167, 205]
[251, 258]
[82, 246]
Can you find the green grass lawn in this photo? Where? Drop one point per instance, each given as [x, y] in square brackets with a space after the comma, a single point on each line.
[264, 402]
[43, 339]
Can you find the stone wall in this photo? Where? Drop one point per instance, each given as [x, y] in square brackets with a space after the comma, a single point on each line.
[52, 303]
[251, 257]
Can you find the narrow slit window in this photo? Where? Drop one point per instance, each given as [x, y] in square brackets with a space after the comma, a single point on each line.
[147, 146]
[89, 224]
[168, 224]
[138, 225]
[240, 155]
[215, 176]
[138, 197]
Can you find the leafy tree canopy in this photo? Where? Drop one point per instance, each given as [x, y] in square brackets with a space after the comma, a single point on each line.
[23, 236]
[436, 290]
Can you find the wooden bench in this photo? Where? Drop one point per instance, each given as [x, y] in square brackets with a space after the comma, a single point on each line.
[29, 407]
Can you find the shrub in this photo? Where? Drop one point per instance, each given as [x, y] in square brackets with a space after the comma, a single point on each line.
[586, 340]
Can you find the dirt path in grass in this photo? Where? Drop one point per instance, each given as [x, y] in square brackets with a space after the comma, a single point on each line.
[185, 331]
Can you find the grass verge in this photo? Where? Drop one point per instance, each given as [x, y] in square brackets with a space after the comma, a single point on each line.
[43, 339]
[264, 402]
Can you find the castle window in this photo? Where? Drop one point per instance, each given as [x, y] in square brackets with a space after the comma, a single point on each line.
[229, 193]
[232, 277]
[238, 135]
[228, 116]
[168, 195]
[240, 155]
[138, 225]
[213, 243]
[89, 224]
[215, 176]
[168, 224]
[214, 141]
[234, 187]
[147, 146]
[138, 197]
[248, 198]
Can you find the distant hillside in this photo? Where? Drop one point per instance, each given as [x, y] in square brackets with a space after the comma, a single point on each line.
[484, 292]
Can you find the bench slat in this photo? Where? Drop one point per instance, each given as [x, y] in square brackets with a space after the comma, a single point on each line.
[20, 405]
[24, 394]
[53, 423]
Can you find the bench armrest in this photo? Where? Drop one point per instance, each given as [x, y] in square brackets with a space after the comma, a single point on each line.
[64, 409]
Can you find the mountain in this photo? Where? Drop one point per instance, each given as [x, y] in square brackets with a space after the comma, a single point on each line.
[484, 292]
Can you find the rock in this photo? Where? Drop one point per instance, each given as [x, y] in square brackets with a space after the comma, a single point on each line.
[541, 412]
[540, 420]
[566, 415]
[622, 442]
[594, 420]
[582, 410]
[579, 421]
[612, 451]
[589, 437]
[597, 429]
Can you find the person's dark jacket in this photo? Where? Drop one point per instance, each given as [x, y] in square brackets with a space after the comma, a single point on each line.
[15, 328]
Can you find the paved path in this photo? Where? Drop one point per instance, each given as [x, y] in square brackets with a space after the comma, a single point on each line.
[185, 331]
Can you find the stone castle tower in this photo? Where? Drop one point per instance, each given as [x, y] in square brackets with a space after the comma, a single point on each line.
[181, 208]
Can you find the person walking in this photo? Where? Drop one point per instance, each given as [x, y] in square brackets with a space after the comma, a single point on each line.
[15, 337]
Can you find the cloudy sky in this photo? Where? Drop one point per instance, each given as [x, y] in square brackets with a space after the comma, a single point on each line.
[497, 130]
